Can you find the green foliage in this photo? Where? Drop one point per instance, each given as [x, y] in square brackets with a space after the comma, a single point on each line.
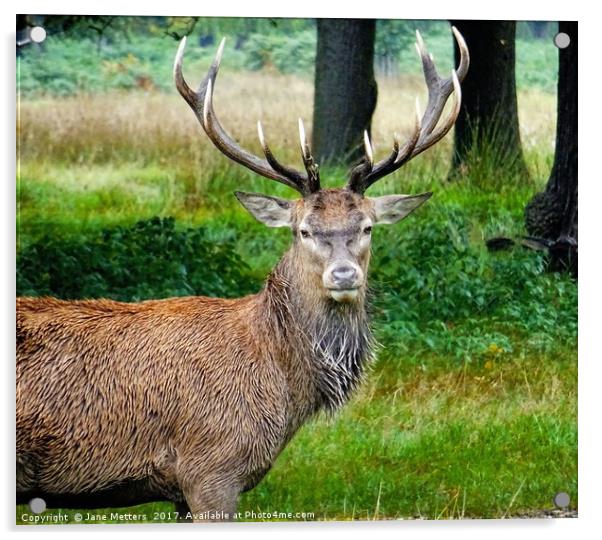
[536, 64]
[438, 290]
[152, 259]
[536, 30]
[393, 36]
[244, 27]
[480, 441]
[289, 53]
[137, 53]
[66, 66]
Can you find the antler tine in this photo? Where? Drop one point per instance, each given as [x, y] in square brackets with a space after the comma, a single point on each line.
[305, 150]
[201, 103]
[464, 54]
[313, 171]
[435, 136]
[364, 175]
[368, 149]
[425, 135]
[276, 165]
[185, 90]
[428, 66]
[362, 170]
[405, 153]
[439, 89]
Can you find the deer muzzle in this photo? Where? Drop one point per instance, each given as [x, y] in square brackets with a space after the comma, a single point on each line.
[343, 280]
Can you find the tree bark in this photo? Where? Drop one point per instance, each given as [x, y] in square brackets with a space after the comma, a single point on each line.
[345, 88]
[487, 127]
[552, 214]
[22, 32]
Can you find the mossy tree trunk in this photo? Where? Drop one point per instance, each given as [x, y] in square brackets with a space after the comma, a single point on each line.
[487, 127]
[345, 88]
[552, 214]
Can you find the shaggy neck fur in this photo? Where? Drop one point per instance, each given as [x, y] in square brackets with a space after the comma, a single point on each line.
[326, 343]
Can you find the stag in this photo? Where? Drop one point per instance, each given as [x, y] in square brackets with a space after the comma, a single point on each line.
[192, 399]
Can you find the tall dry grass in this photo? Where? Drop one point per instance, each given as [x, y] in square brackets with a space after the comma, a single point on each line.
[128, 127]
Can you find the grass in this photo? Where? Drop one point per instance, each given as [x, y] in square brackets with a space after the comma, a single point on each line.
[470, 409]
[435, 441]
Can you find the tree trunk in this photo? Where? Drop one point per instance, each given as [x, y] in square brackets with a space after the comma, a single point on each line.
[487, 127]
[22, 32]
[552, 214]
[345, 88]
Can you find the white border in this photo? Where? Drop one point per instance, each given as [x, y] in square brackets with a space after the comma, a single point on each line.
[590, 178]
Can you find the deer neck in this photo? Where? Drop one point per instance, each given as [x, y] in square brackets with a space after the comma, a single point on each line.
[323, 346]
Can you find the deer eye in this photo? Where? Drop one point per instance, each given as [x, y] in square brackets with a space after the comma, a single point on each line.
[367, 230]
[304, 233]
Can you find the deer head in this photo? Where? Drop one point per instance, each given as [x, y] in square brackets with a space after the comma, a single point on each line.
[332, 227]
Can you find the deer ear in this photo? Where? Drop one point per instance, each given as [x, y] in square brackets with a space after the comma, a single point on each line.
[393, 208]
[271, 211]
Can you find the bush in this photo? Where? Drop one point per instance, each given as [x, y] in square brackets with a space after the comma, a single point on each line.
[294, 53]
[151, 259]
[436, 290]
[67, 66]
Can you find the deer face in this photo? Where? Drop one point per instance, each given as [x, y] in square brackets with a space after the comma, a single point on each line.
[332, 226]
[333, 231]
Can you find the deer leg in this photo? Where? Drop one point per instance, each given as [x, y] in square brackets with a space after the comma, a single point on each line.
[183, 510]
[212, 498]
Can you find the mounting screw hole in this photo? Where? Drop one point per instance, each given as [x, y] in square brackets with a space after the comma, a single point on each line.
[37, 34]
[562, 40]
[37, 505]
[562, 500]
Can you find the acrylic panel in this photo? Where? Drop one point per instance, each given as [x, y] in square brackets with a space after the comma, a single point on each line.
[295, 269]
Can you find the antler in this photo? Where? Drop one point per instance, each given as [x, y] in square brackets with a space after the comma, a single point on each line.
[425, 135]
[201, 103]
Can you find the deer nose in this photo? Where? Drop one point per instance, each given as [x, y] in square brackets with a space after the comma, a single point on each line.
[344, 277]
